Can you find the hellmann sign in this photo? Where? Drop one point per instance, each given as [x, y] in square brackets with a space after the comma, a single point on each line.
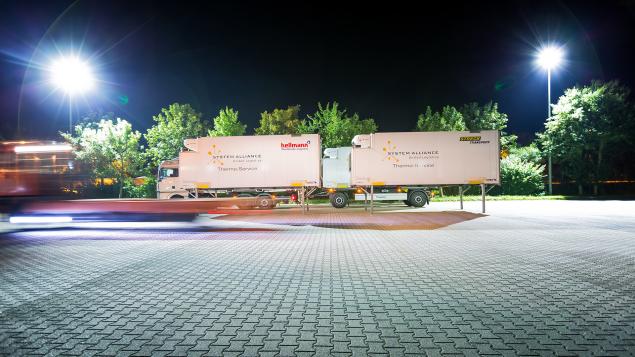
[295, 146]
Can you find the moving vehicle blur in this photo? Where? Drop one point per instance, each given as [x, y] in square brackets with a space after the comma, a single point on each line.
[37, 178]
[34, 169]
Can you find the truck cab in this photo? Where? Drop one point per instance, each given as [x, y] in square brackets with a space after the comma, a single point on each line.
[169, 183]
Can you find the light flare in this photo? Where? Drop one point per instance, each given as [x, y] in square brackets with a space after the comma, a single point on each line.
[72, 75]
[550, 57]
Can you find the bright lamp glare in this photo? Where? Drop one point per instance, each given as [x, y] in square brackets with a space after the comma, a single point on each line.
[72, 75]
[549, 57]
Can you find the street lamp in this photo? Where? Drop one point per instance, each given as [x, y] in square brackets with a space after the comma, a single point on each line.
[549, 58]
[73, 76]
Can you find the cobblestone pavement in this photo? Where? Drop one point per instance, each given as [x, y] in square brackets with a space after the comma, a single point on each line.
[532, 278]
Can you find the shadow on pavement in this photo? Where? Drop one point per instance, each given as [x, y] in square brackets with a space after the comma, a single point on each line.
[360, 220]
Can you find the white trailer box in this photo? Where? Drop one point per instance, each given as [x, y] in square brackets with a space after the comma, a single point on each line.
[426, 158]
[265, 161]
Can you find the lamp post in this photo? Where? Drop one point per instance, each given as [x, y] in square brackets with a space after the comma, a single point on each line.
[549, 58]
[73, 76]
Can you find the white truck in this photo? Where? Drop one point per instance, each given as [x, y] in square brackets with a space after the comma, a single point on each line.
[243, 166]
[381, 166]
[400, 166]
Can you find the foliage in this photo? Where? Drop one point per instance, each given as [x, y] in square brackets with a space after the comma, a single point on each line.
[530, 153]
[172, 126]
[520, 177]
[335, 127]
[226, 123]
[280, 121]
[487, 117]
[146, 190]
[95, 116]
[508, 141]
[590, 129]
[471, 116]
[90, 152]
[108, 149]
[318, 122]
[449, 119]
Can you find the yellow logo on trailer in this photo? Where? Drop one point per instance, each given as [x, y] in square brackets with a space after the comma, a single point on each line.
[214, 155]
[389, 150]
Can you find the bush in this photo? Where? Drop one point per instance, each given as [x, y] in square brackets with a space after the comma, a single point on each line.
[520, 177]
[147, 189]
[529, 153]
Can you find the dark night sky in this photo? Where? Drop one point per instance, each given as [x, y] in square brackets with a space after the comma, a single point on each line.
[387, 62]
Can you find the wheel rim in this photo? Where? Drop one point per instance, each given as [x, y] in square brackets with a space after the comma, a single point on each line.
[418, 199]
[339, 200]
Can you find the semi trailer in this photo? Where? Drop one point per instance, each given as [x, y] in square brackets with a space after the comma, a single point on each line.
[262, 166]
[377, 167]
[402, 166]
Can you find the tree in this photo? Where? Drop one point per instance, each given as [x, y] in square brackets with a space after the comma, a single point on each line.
[449, 119]
[588, 125]
[471, 116]
[487, 117]
[335, 127]
[94, 116]
[108, 149]
[172, 126]
[88, 141]
[341, 133]
[280, 121]
[226, 123]
[530, 153]
[317, 123]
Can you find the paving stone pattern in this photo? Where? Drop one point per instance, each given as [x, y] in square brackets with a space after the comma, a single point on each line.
[487, 286]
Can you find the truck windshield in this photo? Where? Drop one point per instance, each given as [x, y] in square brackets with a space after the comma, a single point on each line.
[164, 172]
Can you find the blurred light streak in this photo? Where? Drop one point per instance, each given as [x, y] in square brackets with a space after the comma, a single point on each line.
[39, 219]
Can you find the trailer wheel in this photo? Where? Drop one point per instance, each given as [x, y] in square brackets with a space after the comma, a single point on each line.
[339, 199]
[265, 201]
[418, 199]
[176, 197]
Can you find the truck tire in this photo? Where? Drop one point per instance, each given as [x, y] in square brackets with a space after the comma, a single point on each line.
[176, 197]
[339, 199]
[264, 201]
[407, 203]
[418, 199]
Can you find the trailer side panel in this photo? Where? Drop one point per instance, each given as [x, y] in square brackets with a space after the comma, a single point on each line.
[427, 158]
[266, 161]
